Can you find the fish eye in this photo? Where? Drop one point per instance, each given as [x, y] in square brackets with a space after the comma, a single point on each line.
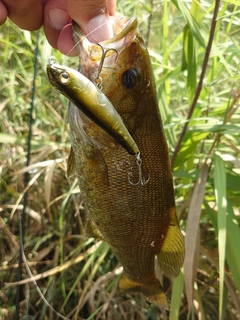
[64, 77]
[130, 78]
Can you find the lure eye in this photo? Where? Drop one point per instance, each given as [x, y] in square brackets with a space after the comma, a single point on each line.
[130, 78]
[64, 77]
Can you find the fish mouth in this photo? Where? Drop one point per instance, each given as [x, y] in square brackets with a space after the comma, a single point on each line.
[93, 56]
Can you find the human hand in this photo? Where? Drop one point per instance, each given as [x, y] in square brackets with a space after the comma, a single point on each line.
[56, 16]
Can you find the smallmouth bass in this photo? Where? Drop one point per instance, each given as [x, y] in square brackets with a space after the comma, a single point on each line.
[129, 199]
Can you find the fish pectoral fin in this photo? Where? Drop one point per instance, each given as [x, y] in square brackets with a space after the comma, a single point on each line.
[153, 291]
[93, 231]
[172, 252]
[71, 168]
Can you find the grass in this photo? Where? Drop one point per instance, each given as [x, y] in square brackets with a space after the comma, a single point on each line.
[77, 275]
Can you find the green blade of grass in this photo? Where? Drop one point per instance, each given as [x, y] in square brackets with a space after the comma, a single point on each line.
[188, 147]
[177, 289]
[233, 239]
[189, 62]
[94, 313]
[232, 250]
[192, 233]
[193, 25]
[94, 259]
[165, 50]
[221, 200]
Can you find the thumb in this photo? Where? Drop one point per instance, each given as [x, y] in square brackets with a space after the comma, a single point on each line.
[92, 17]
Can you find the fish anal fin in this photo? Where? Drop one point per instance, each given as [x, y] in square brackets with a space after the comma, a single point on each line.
[93, 231]
[172, 252]
[153, 290]
[71, 169]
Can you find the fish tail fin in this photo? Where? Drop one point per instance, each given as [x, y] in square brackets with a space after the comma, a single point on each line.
[153, 291]
[172, 252]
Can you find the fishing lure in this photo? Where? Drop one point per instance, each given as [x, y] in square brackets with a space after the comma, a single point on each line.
[92, 102]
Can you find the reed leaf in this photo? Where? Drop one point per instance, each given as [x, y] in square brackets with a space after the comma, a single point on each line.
[221, 200]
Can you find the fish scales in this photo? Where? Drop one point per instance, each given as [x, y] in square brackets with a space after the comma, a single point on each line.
[137, 220]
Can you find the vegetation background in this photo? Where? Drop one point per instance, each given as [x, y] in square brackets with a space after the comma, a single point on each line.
[76, 274]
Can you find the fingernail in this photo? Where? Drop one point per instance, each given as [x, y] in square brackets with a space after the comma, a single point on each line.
[99, 29]
[58, 18]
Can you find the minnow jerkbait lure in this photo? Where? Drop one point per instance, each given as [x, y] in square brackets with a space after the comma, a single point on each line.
[88, 98]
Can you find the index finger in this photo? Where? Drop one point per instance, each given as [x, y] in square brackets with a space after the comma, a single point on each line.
[27, 14]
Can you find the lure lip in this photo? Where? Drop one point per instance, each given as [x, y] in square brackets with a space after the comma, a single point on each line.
[53, 71]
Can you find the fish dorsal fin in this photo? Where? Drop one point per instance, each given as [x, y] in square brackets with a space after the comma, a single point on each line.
[71, 168]
[172, 253]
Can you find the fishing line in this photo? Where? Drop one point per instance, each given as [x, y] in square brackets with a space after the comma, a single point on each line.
[86, 35]
[22, 257]
[26, 181]
[148, 16]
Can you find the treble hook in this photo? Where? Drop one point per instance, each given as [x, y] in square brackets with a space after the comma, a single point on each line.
[141, 180]
[98, 80]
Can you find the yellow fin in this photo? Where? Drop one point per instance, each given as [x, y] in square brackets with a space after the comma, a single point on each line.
[171, 256]
[71, 169]
[153, 291]
[93, 231]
